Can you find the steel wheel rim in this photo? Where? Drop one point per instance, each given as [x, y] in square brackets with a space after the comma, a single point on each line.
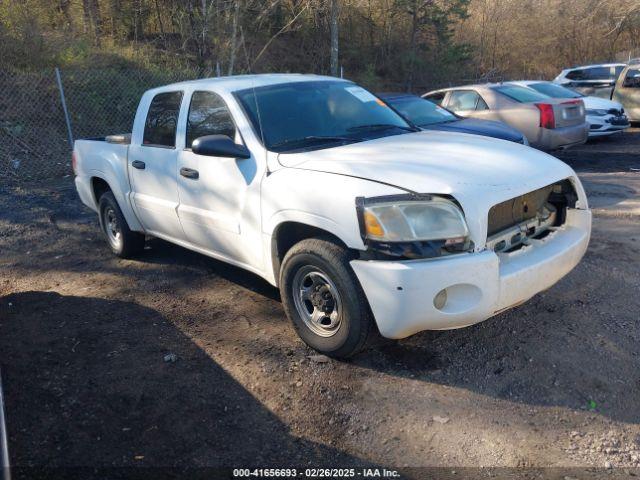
[112, 227]
[317, 301]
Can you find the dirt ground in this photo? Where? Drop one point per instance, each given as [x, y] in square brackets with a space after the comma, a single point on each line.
[84, 336]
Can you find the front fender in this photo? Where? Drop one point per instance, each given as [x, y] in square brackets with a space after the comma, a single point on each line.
[317, 221]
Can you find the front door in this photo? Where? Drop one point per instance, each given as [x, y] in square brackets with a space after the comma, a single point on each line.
[219, 210]
[152, 165]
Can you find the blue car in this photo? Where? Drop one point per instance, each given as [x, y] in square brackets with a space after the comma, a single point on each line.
[429, 116]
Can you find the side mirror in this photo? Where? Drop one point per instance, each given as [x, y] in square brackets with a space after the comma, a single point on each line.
[219, 146]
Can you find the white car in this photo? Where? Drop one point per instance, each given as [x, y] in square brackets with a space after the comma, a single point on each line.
[364, 223]
[595, 80]
[605, 117]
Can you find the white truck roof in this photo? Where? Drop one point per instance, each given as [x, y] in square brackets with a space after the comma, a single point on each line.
[240, 82]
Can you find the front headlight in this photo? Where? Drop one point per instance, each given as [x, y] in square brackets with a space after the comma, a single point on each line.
[597, 112]
[414, 227]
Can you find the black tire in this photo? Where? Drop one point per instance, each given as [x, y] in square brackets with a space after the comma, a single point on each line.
[356, 327]
[125, 243]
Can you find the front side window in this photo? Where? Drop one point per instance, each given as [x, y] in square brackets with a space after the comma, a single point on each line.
[208, 115]
[162, 120]
[317, 114]
[632, 78]
[464, 100]
[420, 111]
[521, 94]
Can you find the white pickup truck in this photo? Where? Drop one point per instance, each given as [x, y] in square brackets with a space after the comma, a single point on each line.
[366, 224]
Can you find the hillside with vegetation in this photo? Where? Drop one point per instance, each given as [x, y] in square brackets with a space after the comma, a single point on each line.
[401, 44]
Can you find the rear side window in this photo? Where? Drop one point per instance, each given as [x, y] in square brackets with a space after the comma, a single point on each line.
[600, 73]
[592, 73]
[521, 94]
[466, 100]
[481, 105]
[632, 78]
[208, 115]
[162, 120]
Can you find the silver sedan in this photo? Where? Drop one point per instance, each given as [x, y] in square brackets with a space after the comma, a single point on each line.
[548, 123]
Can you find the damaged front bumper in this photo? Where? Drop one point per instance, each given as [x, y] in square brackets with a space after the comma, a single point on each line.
[409, 296]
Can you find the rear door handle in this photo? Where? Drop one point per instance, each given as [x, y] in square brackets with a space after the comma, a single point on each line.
[189, 173]
[139, 164]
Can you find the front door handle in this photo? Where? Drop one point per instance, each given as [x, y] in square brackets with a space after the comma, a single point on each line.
[139, 164]
[189, 173]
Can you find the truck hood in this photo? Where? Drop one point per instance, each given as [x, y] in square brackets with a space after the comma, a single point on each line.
[477, 171]
[438, 162]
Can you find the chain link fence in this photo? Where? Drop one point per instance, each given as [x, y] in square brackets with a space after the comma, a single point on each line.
[34, 134]
[35, 130]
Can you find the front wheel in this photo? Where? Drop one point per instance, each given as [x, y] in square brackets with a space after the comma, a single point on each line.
[324, 300]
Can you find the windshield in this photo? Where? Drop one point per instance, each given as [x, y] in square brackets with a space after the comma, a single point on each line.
[419, 111]
[555, 91]
[521, 94]
[319, 114]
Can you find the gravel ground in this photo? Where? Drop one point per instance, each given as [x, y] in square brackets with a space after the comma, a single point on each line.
[174, 359]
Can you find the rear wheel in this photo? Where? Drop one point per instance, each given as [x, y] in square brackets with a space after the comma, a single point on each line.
[122, 241]
[324, 300]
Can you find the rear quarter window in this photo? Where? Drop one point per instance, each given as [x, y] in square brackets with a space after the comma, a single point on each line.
[162, 120]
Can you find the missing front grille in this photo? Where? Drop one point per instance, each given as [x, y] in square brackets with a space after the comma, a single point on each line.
[513, 222]
[528, 206]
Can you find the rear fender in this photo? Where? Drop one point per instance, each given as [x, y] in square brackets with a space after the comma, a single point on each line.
[121, 191]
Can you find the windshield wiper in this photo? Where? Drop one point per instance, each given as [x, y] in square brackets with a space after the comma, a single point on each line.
[439, 122]
[313, 138]
[380, 126]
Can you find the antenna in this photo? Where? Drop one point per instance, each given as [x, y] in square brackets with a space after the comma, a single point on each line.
[255, 99]
[253, 87]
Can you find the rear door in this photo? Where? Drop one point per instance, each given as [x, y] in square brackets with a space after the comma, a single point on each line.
[152, 165]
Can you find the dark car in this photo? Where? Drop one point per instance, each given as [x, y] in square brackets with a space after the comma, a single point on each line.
[429, 116]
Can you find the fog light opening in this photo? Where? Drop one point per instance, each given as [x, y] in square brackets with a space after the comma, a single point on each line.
[440, 300]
